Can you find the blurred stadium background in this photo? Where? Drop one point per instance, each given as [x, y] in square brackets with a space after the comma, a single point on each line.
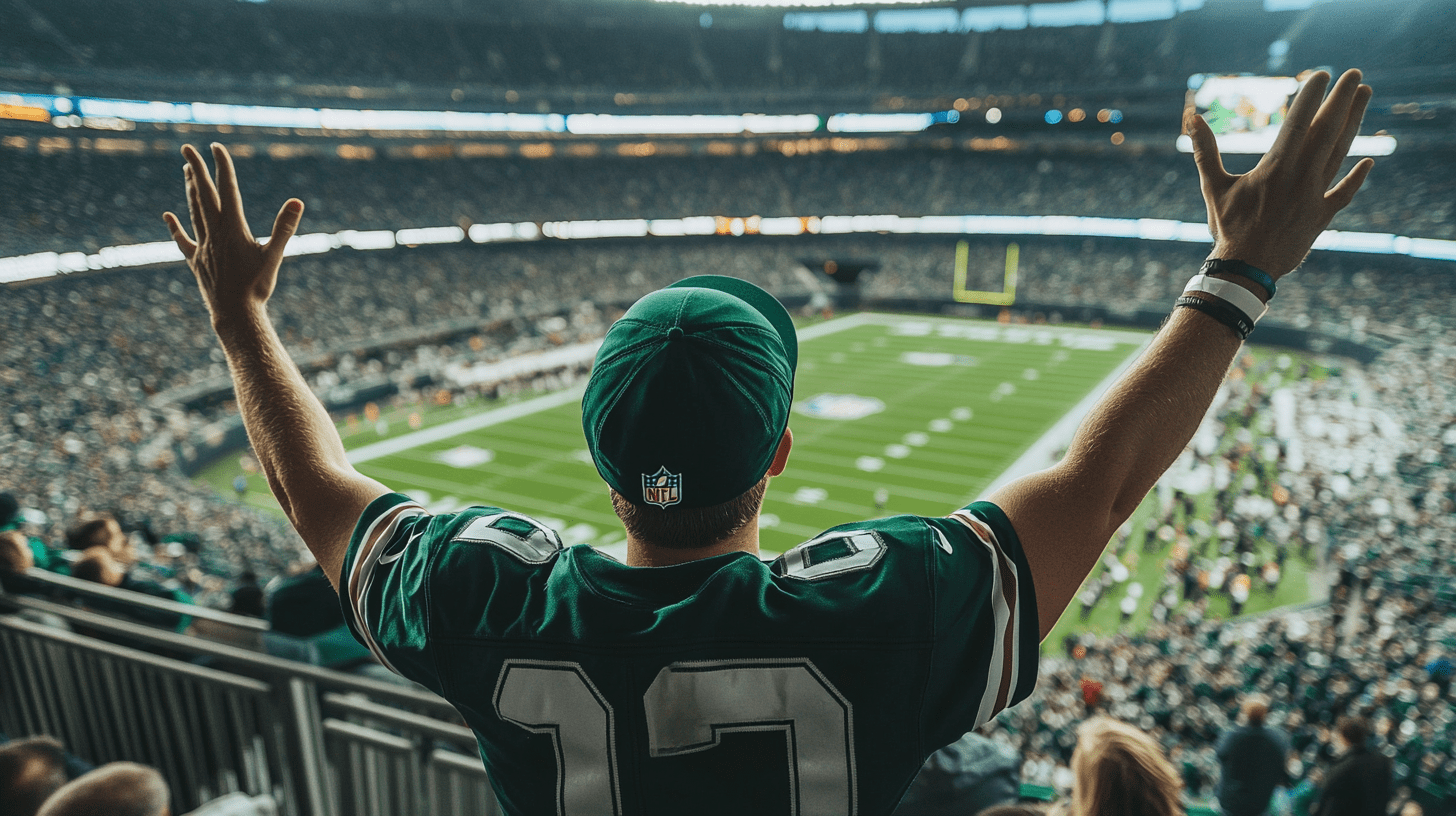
[978, 210]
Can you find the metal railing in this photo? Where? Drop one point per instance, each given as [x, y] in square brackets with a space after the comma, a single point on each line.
[320, 742]
[66, 585]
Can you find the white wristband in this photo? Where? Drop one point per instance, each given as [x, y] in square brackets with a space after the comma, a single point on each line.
[1230, 293]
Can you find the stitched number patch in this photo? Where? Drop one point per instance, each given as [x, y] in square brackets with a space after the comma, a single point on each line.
[833, 554]
[521, 536]
[688, 707]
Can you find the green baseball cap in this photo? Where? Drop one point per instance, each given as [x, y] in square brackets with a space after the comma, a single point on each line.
[690, 393]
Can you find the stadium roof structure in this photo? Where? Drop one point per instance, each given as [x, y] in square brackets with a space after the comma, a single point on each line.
[642, 11]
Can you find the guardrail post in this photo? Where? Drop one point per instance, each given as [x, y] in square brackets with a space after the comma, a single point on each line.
[302, 723]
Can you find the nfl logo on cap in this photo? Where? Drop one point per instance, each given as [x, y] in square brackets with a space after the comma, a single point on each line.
[662, 488]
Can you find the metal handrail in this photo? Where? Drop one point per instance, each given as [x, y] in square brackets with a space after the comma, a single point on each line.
[221, 678]
[459, 762]
[399, 718]
[369, 736]
[134, 598]
[256, 661]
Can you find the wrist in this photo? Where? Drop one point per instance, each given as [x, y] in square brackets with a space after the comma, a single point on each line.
[1274, 258]
[240, 322]
[1241, 272]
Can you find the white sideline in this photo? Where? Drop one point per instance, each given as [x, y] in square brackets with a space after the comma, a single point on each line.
[1039, 455]
[464, 425]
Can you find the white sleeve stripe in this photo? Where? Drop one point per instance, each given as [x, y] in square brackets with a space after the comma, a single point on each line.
[361, 577]
[1012, 667]
[1004, 667]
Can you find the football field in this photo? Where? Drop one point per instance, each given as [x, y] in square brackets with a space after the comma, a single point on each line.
[928, 411]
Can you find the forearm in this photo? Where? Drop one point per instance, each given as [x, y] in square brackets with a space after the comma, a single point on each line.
[294, 439]
[1143, 423]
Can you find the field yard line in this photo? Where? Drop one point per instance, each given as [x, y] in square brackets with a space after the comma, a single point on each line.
[835, 325]
[464, 425]
[1039, 455]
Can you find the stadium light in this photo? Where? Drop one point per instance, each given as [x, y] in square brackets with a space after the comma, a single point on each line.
[48, 264]
[796, 3]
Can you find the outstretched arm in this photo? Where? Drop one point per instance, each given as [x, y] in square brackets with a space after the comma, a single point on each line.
[1268, 218]
[295, 441]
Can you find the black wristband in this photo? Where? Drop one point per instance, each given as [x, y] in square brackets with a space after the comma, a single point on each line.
[1226, 315]
[1223, 266]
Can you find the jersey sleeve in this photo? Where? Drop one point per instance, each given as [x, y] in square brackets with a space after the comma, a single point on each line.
[987, 634]
[384, 589]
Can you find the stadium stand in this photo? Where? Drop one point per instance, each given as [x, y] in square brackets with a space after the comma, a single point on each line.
[113, 385]
[84, 200]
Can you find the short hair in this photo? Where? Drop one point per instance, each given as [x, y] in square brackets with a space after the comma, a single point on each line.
[1119, 770]
[114, 789]
[1256, 709]
[15, 554]
[1353, 730]
[9, 509]
[98, 565]
[677, 528]
[1012, 810]
[100, 531]
[31, 769]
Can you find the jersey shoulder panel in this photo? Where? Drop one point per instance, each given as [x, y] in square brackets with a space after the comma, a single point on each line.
[398, 588]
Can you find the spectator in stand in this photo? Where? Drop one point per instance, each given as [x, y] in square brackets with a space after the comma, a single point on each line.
[15, 558]
[304, 604]
[31, 769]
[1119, 770]
[1361, 783]
[10, 521]
[114, 789]
[1440, 670]
[99, 565]
[1252, 760]
[105, 532]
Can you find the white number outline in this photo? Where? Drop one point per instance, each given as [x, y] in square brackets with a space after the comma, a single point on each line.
[553, 730]
[716, 669]
[663, 710]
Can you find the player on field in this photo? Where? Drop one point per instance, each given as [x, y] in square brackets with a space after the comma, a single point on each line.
[696, 678]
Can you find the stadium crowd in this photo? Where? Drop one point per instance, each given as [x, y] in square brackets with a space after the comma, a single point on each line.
[273, 47]
[194, 40]
[84, 200]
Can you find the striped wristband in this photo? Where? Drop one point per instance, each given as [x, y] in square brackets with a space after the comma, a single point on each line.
[1220, 311]
[1231, 293]
[1224, 266]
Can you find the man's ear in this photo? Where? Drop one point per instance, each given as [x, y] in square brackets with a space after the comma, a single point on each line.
[781, 457]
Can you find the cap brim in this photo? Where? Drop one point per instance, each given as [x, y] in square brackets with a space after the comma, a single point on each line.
[761, 301]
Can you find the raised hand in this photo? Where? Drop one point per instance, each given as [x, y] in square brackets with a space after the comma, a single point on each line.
[1270, 216]
[234, 271]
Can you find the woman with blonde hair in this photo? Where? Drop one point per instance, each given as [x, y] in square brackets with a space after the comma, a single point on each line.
[1118, 770]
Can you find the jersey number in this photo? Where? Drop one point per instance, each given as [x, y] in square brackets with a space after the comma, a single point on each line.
[689, 706]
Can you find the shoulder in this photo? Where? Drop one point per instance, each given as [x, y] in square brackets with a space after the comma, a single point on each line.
[395, 527]
[895, 542]
[861, 542]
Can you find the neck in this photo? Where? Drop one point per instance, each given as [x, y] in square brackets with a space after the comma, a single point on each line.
[642, 554]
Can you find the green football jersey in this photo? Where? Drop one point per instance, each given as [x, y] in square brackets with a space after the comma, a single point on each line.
[814, 684]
